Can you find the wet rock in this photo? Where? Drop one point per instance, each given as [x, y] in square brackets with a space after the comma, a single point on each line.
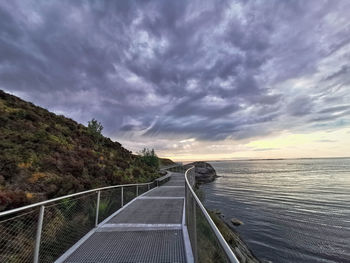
[237, 244]
[236, 222]
[217, 212]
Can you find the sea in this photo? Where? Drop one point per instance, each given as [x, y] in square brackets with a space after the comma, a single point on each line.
[293, 210]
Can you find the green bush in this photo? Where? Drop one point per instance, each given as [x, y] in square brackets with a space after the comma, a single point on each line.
[95, 130]
[150, 158]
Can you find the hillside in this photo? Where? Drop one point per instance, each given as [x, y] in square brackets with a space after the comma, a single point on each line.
[165, 162]
[43, 155]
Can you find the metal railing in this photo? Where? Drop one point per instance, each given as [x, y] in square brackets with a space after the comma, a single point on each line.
[208, 245]
[42, 232]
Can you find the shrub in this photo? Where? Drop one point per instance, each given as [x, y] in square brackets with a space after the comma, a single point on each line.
[50, 155]
[95, 130]
[150, 158]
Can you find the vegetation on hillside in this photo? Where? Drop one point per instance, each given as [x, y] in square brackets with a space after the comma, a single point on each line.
[165, 162]
[43, 155]
[149, 157]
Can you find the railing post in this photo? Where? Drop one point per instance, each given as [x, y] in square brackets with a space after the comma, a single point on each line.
[38, 234]
[148, 187]
[122, 196]
[186, 205]
[97, 207]
[195, 254]
[137, 190]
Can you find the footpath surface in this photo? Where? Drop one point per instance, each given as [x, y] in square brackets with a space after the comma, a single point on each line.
[148, 229]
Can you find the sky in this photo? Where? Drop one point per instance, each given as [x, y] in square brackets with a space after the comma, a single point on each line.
[195, 80]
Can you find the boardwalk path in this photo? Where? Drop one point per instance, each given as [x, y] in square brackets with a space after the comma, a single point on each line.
[148, 229]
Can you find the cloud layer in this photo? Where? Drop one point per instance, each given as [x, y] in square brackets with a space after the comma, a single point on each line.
[175, 70]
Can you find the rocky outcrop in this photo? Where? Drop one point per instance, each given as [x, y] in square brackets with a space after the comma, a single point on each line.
[205, 173]
[238, 246]
[236, 222]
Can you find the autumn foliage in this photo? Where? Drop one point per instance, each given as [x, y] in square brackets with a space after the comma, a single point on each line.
[44, 155]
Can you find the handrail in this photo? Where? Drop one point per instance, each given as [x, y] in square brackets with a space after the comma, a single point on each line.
[32, 223]
[231, 256]
[15, 210]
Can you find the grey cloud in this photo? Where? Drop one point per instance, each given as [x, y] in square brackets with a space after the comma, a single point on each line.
[335, 109]
[343, 70]
[330, 117]
[326, 141]
[266, 149]
[300, 106]
[209, 70]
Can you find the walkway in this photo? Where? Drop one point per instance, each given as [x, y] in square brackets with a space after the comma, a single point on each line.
[151, 228]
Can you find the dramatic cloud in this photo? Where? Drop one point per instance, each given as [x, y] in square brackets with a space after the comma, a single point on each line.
[161, 72]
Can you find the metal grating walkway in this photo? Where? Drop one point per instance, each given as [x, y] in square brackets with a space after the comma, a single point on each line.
[167, 192]
[148, 229]
[138, 246]
[151, 211]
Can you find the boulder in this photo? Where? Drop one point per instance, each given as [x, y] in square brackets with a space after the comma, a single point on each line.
[236, 222]
[205, 173]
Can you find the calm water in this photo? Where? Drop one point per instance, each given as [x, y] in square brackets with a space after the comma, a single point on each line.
[293, 210]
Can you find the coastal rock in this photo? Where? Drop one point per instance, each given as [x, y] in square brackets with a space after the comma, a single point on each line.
[217, 212]
[238, 246]
[236, 222]
[205, 173]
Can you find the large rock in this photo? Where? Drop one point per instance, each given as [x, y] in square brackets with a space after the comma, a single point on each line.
[205, 173]
[236, 222]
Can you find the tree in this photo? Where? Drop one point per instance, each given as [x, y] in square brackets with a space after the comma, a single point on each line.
[95, 129]
[149, 157]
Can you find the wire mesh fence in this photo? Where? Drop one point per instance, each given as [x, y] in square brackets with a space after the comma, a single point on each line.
[17, 237]
[208, 246]
[110, 201]
[67, 220]
[129, 193]
[63, 222]
[142, 189]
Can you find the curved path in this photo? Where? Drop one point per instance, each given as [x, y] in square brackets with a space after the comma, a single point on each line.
[150, 228]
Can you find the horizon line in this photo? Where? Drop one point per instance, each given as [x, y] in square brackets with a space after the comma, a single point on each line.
[256, 159]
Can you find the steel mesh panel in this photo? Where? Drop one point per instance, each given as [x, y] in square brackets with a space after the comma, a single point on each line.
[65, 223]
[167, 192]
[129, 193]
[174, 183]
[143, 189]
[137, 246]
[144, 211]
[178, 179]
[17, 237]
[190, 219]
[208, 246]
[110, 201]
[152, 185]
[205, 245]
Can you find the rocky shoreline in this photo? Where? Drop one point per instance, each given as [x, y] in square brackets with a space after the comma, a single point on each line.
[205, 173]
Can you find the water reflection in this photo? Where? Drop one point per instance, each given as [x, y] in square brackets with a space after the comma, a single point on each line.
[293, 210]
